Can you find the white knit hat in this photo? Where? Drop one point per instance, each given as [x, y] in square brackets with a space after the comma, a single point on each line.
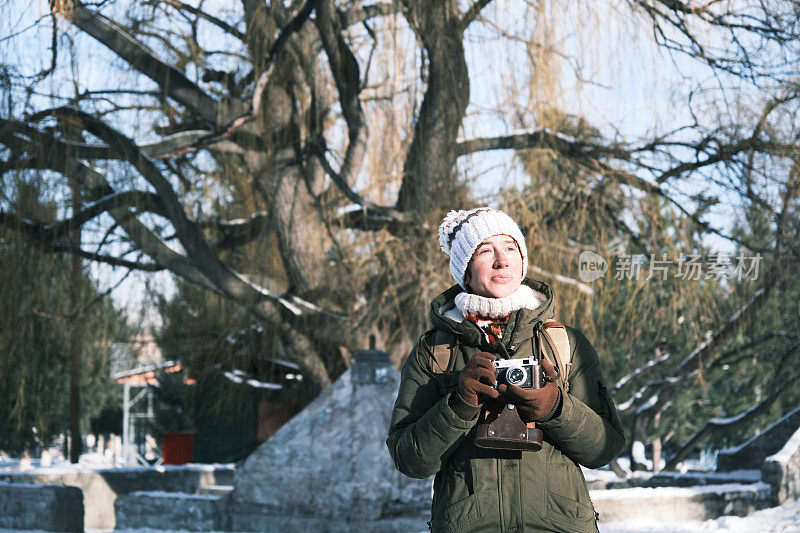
[462, 231]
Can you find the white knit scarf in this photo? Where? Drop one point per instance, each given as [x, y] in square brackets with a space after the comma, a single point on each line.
[522, 298]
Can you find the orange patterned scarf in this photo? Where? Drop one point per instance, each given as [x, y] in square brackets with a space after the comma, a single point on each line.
[491, 327]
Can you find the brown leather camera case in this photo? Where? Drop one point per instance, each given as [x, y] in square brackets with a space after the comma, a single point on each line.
[500, 427]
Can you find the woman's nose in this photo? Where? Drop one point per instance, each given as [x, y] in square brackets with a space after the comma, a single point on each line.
[500, 259]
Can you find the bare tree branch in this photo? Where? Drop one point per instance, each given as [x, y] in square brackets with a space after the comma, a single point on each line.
[145, 239]
[473, 13]
[758, 26]
[645, 186]
[592, 155]
[582, 287]
[171, 80]
[723, 153]
[217, 139]
[541, 138]
[579, 149]
[14, 134]
[52, 232]
[188, 142]
[744, 350]
[237, 232]
[342, 183]
[221, 24]
[367, 218]
[344, 68]
[108, 259]
[361, 13]
[293, 26]
[203, 262]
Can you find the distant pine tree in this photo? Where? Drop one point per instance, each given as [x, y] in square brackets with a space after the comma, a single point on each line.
[34, 333]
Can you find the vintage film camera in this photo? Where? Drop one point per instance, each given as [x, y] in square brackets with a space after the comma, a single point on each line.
[499, 425]
[525, 373]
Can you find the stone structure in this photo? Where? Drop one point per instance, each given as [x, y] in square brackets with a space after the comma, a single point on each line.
[681, 503]
[42, 507]
[754, 452]
[180, 511]
[762, 472]
[329, 464]
[782, 470]
[100, 488]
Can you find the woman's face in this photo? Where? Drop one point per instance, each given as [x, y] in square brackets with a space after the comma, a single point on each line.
[495, 270]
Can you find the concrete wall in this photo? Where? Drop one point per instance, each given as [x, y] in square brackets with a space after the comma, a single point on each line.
[782, 470]
[679, 504]
[184, 512]
[198, 513]
[754, 452]
[157, 510]
[42, 507]
[101, 488]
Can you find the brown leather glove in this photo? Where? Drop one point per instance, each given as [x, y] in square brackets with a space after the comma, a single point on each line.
[477, 378]
[535, 405]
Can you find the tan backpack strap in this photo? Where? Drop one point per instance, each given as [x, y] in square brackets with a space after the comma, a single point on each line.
[434, 354]
[442, 352]
[556, 335]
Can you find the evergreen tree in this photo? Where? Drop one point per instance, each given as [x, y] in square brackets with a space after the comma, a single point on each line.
[34, 339]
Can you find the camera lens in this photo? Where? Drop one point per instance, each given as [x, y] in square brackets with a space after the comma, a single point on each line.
[515, 376]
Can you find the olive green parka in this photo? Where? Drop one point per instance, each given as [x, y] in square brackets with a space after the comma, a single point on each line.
[478, 489]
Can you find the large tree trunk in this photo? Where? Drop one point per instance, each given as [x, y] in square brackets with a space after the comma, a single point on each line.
[297, 222]
[429, 171]
[289, 183]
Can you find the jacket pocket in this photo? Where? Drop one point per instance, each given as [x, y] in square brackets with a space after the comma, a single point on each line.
[457, 504]
[568, 504]
[571, 515]
[458, 515]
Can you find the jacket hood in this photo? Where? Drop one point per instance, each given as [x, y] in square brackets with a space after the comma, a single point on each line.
[445, 316]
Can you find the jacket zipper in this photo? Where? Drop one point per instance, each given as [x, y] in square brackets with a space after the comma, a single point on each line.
[500, 493]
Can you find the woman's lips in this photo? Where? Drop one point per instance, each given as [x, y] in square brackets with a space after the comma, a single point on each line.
[502, 278]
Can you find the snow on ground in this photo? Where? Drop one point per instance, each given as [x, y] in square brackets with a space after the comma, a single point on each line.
[56, 461]
[783, 519]
[88, 463]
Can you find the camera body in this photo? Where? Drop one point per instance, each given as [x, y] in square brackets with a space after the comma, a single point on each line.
[525, 373]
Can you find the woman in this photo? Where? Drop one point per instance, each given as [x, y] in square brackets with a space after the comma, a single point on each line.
[495, 312]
